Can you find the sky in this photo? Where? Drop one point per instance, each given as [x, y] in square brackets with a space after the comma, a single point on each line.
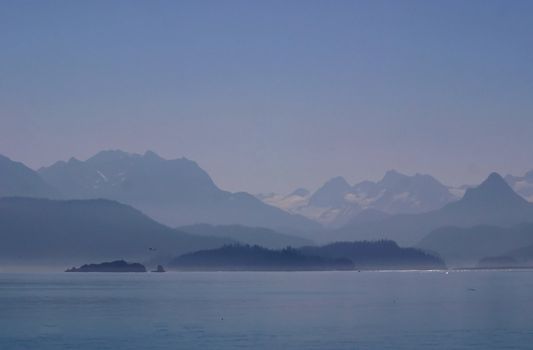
[273, 95]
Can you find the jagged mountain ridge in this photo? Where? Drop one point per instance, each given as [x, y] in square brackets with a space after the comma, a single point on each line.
[175, 192]
[337, 202]
[493, 202]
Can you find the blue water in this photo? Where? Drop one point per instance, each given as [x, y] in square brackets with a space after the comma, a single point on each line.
[282, 310]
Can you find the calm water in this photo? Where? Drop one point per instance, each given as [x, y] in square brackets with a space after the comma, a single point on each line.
[232, 310]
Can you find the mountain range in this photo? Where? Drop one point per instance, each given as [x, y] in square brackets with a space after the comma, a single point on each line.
[96, 198]
[337, 202]
[178, 192]
[493, 202]
[175, 192]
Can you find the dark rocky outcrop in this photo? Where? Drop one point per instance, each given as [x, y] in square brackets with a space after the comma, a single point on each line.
[114, 266]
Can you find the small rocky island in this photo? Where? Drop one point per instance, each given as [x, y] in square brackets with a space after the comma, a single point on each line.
[159, 268]
[114, 266]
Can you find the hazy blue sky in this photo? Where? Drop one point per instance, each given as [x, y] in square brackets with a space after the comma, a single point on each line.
[272, 95]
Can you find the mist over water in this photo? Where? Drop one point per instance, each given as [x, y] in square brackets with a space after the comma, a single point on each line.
[277, 310]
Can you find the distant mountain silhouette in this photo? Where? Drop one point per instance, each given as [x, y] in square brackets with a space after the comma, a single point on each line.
[264, 237]
[493, 193]
[331, 194]
[301, 192]
[290, 203]
[523, 255]
[58, 233]
[369, 215]
[176, 192]
[515, 258]
[466, 246]
[246, 257]
[398, 193]
[491, 203]
[523, 185]
[16, 179]
[499, 262]
[377, 255]
[337, 202]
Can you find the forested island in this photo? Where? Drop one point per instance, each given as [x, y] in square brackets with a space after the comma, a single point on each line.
[378, 255]
[247, 257]
[114, 266]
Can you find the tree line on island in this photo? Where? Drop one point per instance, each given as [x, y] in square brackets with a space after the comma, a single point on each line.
[378, 255]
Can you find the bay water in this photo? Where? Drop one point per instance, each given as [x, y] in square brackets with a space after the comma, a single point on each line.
[267, 310]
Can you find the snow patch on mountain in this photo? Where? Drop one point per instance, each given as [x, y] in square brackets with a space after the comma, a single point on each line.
[337, 202]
